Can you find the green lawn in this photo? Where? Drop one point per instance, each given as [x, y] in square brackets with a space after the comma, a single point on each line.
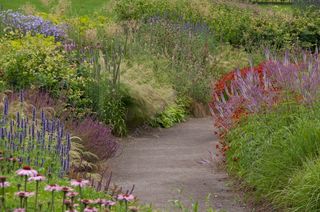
[78, 7]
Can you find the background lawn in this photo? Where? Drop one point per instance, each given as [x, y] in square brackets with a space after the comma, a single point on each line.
[78, 7]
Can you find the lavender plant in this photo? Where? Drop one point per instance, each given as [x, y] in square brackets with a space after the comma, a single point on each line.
[35, 141]
[33, 24]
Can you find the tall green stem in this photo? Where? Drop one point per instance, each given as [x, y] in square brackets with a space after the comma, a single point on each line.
[25, 183]
[80, 193]
[3, 199]
[52, 201]
[26, 204]
[63, 199]
[36, 201]
[21, 198]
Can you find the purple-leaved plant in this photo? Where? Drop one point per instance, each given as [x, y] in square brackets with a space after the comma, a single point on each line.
[97, 137]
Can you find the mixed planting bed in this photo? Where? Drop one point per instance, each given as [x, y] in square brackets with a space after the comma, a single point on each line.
[268, 119]
[70, 82]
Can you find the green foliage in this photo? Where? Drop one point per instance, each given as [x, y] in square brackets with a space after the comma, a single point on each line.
[302, 192]
[34, 61]
[115, 113]
[172, 115]
[187, 55]
[267, 151]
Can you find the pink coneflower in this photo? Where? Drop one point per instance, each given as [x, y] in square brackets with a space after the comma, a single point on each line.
[67, 202]
[37, 178]
[66, 189]
[52, 187]
[27, 171]
[90, 209]
[81, 183]
[19, 210]
[126, 197]
[99, 201]
[24, 194]
[72, 194]
[108, 203]
[4, 184]
[86, 201]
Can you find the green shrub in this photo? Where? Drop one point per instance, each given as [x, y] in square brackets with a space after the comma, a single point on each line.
[34, 61]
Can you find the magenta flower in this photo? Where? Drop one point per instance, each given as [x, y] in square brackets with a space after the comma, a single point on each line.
[4, 184]
[24, 194]
[81, 183]
[108, 203]
[53, 187]
[72, 194]
[37, 178]
[90, 209]
[19, 210]
[27, 171]
[126, 197]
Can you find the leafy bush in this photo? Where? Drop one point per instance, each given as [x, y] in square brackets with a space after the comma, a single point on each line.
[34, 61]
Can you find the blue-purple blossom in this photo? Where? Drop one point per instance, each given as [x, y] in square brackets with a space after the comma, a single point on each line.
[30, 140]
[33, 24]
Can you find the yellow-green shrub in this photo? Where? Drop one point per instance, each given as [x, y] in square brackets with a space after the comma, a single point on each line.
[35, 61]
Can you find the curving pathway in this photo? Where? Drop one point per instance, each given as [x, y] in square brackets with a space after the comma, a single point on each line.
[165, 161]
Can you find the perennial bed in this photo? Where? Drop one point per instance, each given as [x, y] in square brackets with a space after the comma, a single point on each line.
[32, 140]
[268, 118]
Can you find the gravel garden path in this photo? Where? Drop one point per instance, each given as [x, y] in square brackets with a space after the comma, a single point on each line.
[163, 164]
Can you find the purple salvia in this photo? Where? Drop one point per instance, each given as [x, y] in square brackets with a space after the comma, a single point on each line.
[6, 107]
